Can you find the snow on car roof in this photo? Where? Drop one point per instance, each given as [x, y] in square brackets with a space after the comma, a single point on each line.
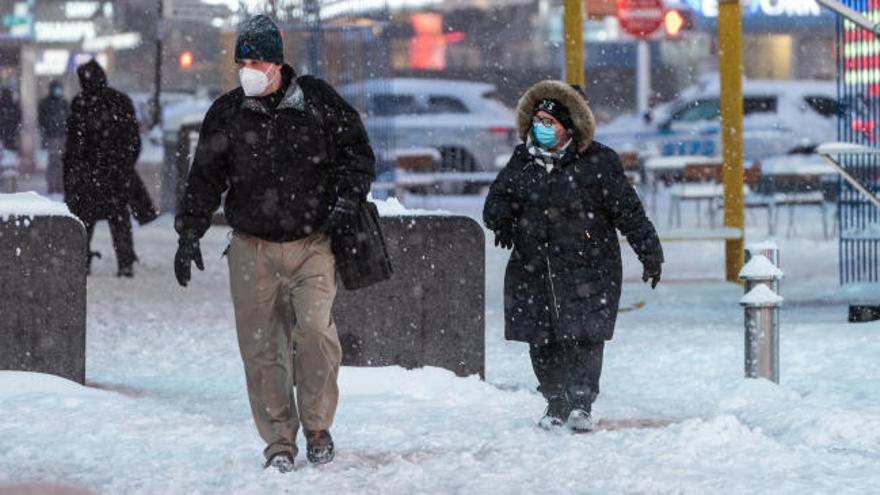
[776, 87]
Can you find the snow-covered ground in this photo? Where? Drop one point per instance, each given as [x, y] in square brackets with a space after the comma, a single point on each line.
[165, 409]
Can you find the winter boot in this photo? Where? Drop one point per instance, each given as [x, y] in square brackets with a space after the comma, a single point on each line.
[555, 414]
[320, 447]
[580, 421]
[125, 271]
[282, 461]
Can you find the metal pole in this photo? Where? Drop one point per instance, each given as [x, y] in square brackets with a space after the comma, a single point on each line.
[852, 180]
[160, 25]
[762, 342]
[730, 67]
[643, 76]
[853, 16]
[574, 42]
[762, 310]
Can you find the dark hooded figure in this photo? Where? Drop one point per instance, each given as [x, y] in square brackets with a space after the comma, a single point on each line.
[10, 120]
[102, 147]
[559, 203]
[52, 115]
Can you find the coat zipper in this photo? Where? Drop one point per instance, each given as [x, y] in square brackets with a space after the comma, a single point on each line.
[547, 258]
[552, 287]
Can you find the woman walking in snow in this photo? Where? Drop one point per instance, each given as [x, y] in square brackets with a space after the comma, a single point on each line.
[559, 203]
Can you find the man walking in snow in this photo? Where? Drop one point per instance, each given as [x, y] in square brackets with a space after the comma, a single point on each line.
[102, 147]
[294, 160]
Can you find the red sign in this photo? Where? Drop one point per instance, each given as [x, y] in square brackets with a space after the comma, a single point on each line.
[640, 18]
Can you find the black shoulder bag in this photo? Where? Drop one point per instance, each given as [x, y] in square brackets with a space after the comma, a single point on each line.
[361, 259]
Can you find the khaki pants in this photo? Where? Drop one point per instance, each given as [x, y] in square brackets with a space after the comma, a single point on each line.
[280, 349]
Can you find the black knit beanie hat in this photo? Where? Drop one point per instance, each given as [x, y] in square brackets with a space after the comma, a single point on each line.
[259, 39]
[557, 110]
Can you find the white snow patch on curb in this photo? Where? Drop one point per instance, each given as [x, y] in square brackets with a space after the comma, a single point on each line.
[30, 204]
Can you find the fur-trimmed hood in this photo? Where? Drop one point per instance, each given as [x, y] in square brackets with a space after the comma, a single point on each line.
[584, 123]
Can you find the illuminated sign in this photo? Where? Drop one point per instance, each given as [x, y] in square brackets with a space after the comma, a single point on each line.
[64, 32]
[769, 8]
[81, 10]
[51, 62]
[120, 41]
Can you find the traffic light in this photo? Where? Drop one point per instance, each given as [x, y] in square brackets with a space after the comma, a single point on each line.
[186, 60]
[676, 21]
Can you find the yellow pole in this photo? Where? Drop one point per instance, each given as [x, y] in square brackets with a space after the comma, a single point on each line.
[574, 42]
[730, 67]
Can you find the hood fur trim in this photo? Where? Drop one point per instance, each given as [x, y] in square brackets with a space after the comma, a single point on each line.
[581, 115]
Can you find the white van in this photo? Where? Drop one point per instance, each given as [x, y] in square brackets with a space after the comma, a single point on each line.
[778, 116]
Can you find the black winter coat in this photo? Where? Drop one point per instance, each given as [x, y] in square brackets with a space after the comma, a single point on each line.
[10, 120]
[564, 275]
[282, 168]
[52, 115]
[102, 147]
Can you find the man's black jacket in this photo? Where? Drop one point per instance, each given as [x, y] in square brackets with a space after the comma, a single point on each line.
[281, 168]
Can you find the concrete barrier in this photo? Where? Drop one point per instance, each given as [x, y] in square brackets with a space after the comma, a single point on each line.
[431, 312]
[42, 287]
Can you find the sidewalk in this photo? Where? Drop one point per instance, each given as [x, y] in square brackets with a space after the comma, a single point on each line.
[166, 410]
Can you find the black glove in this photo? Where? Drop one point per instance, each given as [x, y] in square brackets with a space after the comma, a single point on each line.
[653, 268]
[187, 252]
[504, 236]
[342, 219]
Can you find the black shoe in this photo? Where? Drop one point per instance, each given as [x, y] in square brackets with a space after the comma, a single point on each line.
[320, 447]
[126, 271]
[556, 413]
[282, 461]
[580, 421]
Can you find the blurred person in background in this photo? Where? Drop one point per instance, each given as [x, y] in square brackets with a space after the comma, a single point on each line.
[101, 150]
[52, 117]
[10, 120]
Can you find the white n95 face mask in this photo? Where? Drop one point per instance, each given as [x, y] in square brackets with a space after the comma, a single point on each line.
[253, 82]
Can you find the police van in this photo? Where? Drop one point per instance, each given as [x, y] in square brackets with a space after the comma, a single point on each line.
[778, 116]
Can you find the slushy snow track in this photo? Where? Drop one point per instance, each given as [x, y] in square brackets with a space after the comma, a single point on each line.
[166, 410]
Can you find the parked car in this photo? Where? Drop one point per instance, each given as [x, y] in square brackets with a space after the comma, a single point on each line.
[778, 116]
[465, 121]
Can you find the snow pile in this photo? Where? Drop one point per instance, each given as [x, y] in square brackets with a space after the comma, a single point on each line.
[760, 268]
[30, 204]
[26, 384]
[392, 207]
[840, 148]
[761, 295]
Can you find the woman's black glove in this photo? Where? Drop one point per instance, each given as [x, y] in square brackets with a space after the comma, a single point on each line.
[342, 219]
[653, 267]
[187, 252]
[504, 235]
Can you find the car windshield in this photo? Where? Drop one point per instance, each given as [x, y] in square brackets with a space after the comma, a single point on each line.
[696, 110]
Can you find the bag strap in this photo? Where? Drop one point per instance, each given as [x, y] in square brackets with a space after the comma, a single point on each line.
[306, 83]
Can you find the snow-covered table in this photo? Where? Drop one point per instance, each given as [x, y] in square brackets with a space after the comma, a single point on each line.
[42, 287]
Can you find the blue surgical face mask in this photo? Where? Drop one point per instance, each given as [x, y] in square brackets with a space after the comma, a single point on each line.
[545, 134]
